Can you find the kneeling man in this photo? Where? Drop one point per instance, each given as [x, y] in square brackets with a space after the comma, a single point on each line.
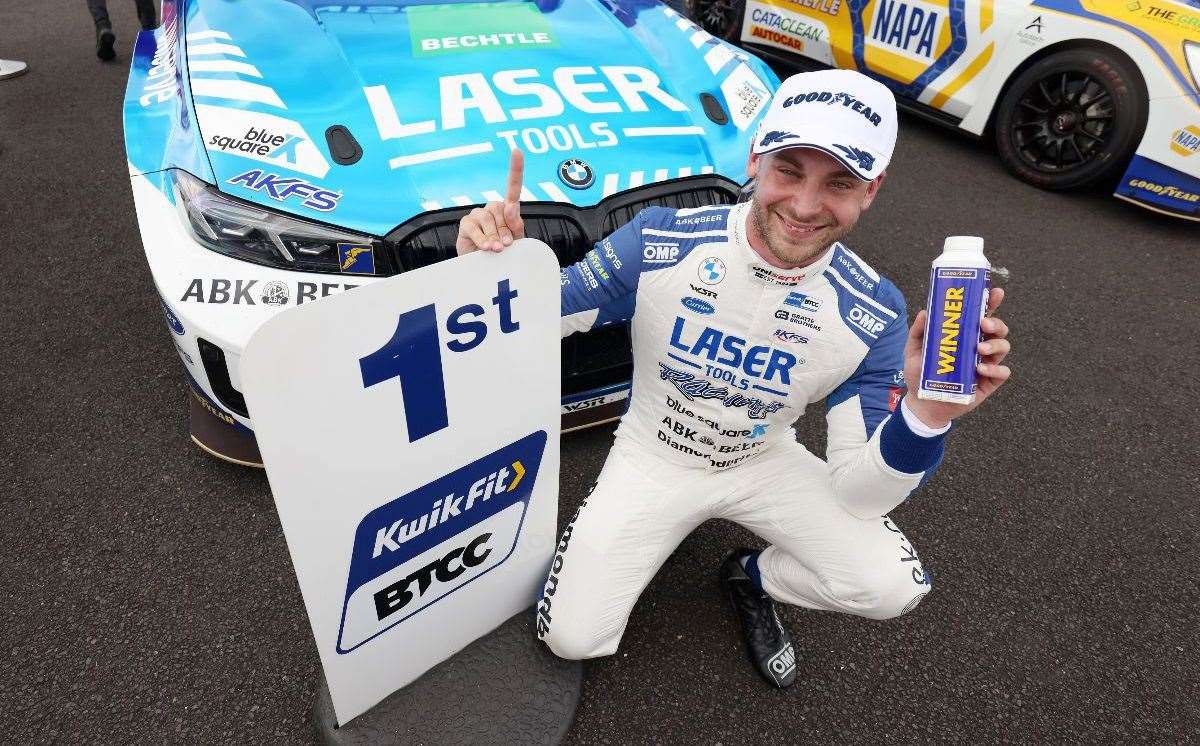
[741, 317]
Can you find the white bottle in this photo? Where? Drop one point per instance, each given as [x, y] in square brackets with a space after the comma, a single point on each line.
[958, 293]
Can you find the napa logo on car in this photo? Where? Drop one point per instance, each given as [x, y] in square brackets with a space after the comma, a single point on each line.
[417, 549]
[703, 308]
[1186, 141]
[912, 29]
[477, 27]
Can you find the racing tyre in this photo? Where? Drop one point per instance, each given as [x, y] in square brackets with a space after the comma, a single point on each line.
[721, 18]
[1072, 119]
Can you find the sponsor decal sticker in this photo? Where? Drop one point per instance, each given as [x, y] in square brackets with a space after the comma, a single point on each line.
[766, 274]
[802, 301]
[183, 354]
[694, 388]
[714, 217]
[866, 320]
[782, 663]
[172, 320]
[1031, 35]
[1172, 16]
[275, 293]
[477, 27]
[702, 291]
[829, 98]
[790, 337]
[756, 361]
[356, 259]
[485, 105]
[779, 27]
[595, 401]
[695, 304]
[745, 95]
[422, 546]
[284, 189]
[861, 278]
[576, 174]
[798, 318]
[711, 271]
[248, 293]
[828, 7]
[1186, 141]
[660, 253]
[908, 28]
[260, 137]
[1165, 190]
[161, 83]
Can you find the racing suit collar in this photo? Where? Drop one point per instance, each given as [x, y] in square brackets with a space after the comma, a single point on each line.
[765, 272]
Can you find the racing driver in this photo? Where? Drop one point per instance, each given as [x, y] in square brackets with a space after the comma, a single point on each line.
[741, 317]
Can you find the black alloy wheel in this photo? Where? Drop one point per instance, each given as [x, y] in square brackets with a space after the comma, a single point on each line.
[721, 18]
[1071, 120]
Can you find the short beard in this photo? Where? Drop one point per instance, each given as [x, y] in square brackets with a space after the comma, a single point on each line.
[788, 253]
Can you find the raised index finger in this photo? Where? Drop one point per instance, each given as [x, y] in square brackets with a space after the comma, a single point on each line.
[516, 177]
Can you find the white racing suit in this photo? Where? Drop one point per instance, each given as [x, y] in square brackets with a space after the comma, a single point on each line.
[728, 352]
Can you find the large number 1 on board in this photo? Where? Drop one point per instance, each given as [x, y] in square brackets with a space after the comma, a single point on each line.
[413, 355]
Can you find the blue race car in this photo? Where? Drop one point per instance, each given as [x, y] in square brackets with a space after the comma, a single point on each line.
[282, 151]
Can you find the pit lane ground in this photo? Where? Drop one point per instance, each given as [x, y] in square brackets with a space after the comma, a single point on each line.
[149, 594]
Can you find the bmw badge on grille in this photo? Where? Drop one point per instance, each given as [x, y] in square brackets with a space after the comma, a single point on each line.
[576, 174]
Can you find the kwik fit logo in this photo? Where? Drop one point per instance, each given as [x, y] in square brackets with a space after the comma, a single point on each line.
[421, 547]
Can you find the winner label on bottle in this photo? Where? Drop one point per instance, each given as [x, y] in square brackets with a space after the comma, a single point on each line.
[958, 291]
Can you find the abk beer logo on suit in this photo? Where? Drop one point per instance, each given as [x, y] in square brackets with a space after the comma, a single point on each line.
[419, 548]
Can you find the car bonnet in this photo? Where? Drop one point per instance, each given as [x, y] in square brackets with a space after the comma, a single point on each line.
[365, 115]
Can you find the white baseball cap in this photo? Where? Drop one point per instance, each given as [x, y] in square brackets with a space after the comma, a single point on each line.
[840, 112]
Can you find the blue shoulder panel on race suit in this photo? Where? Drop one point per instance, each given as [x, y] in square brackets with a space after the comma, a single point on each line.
[601, 288]
[882, 370]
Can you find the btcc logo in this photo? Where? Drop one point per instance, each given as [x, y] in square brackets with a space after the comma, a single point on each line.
[422, 546]
[396, 596]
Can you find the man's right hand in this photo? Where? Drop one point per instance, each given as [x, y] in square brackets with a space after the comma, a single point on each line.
[496, 225]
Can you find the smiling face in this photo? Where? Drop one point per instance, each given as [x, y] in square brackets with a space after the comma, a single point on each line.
[804, 201]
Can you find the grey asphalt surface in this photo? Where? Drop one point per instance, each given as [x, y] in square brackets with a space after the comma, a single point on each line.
[149, 595]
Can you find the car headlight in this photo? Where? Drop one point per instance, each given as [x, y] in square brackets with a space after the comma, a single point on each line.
[1191, 52]
[255, 234]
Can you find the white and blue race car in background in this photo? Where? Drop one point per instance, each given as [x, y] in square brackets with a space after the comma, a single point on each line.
[281, 151]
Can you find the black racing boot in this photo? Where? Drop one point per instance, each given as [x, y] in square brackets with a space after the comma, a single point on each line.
[146, 14]
[769, 644]
[105, 38]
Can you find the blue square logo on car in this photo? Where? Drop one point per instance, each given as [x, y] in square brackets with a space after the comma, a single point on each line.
[356, 259]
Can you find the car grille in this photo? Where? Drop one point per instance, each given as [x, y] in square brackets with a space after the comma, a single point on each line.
[597, 358]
